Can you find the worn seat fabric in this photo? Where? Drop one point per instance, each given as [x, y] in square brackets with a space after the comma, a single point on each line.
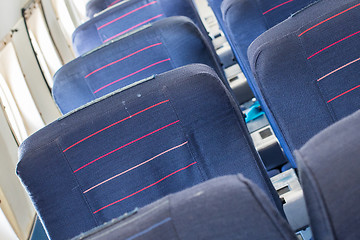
[226, 208]
[306, 70]
[329, 171]
[134, 146]
[126, 17]
[162, 46]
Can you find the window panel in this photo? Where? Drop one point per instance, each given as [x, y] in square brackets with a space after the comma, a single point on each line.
[42, 42]
[14, 85]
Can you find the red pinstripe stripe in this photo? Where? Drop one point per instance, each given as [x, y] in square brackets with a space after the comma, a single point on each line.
[126, 14]
[132, 168]
[277, 7]
[333, 44]
[131, 74]
[129, 29]
[111, 125]
[344, 93]
[117, 149]
[114, 2]
[328, 19]
[122, 199]
[119, 60]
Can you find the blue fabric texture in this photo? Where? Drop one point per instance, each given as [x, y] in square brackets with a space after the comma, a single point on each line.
[244, 20]
[162, 46]
[95, 6]
[134, 146]
[226, 208]
[306, 70]
[126, 17]
[329, 171]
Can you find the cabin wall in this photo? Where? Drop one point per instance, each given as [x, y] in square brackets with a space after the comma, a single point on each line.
[15, 204]
[10, 13]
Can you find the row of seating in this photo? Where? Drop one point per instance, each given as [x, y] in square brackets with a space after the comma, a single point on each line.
[136, 145]
[127, 16]
[248, 207]
[141, 125]
[303, 70]
[164, 45]
[156, 47]
[232, 207]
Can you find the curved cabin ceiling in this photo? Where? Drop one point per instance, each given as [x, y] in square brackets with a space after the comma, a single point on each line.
[10, 13]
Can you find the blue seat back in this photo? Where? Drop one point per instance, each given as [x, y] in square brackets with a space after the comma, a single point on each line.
[329, 171]
[134, 146]
[306, 70]
[162, 46]
[95, 6]
[239, 210]
[126, 17]
[244, 20]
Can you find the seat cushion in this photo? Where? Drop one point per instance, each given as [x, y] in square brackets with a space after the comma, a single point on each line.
[245, 20]
[162, 46]
[329, 171]
[134, 146]
[126, 17]
[239, 210]
[306, 73]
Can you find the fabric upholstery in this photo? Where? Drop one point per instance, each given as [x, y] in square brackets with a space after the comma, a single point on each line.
[306, 70]
[329, 171]
[162, 46]
[95, 6]
[244, 20]
[134, 146]
[226, 208]
[126, 17]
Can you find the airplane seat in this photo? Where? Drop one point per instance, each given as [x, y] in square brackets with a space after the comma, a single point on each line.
[134, 146]
[161, 46]
[329, 171]
[226, 208]
[242, 21]
[129, 16]
[95, 6]
[306, 70]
